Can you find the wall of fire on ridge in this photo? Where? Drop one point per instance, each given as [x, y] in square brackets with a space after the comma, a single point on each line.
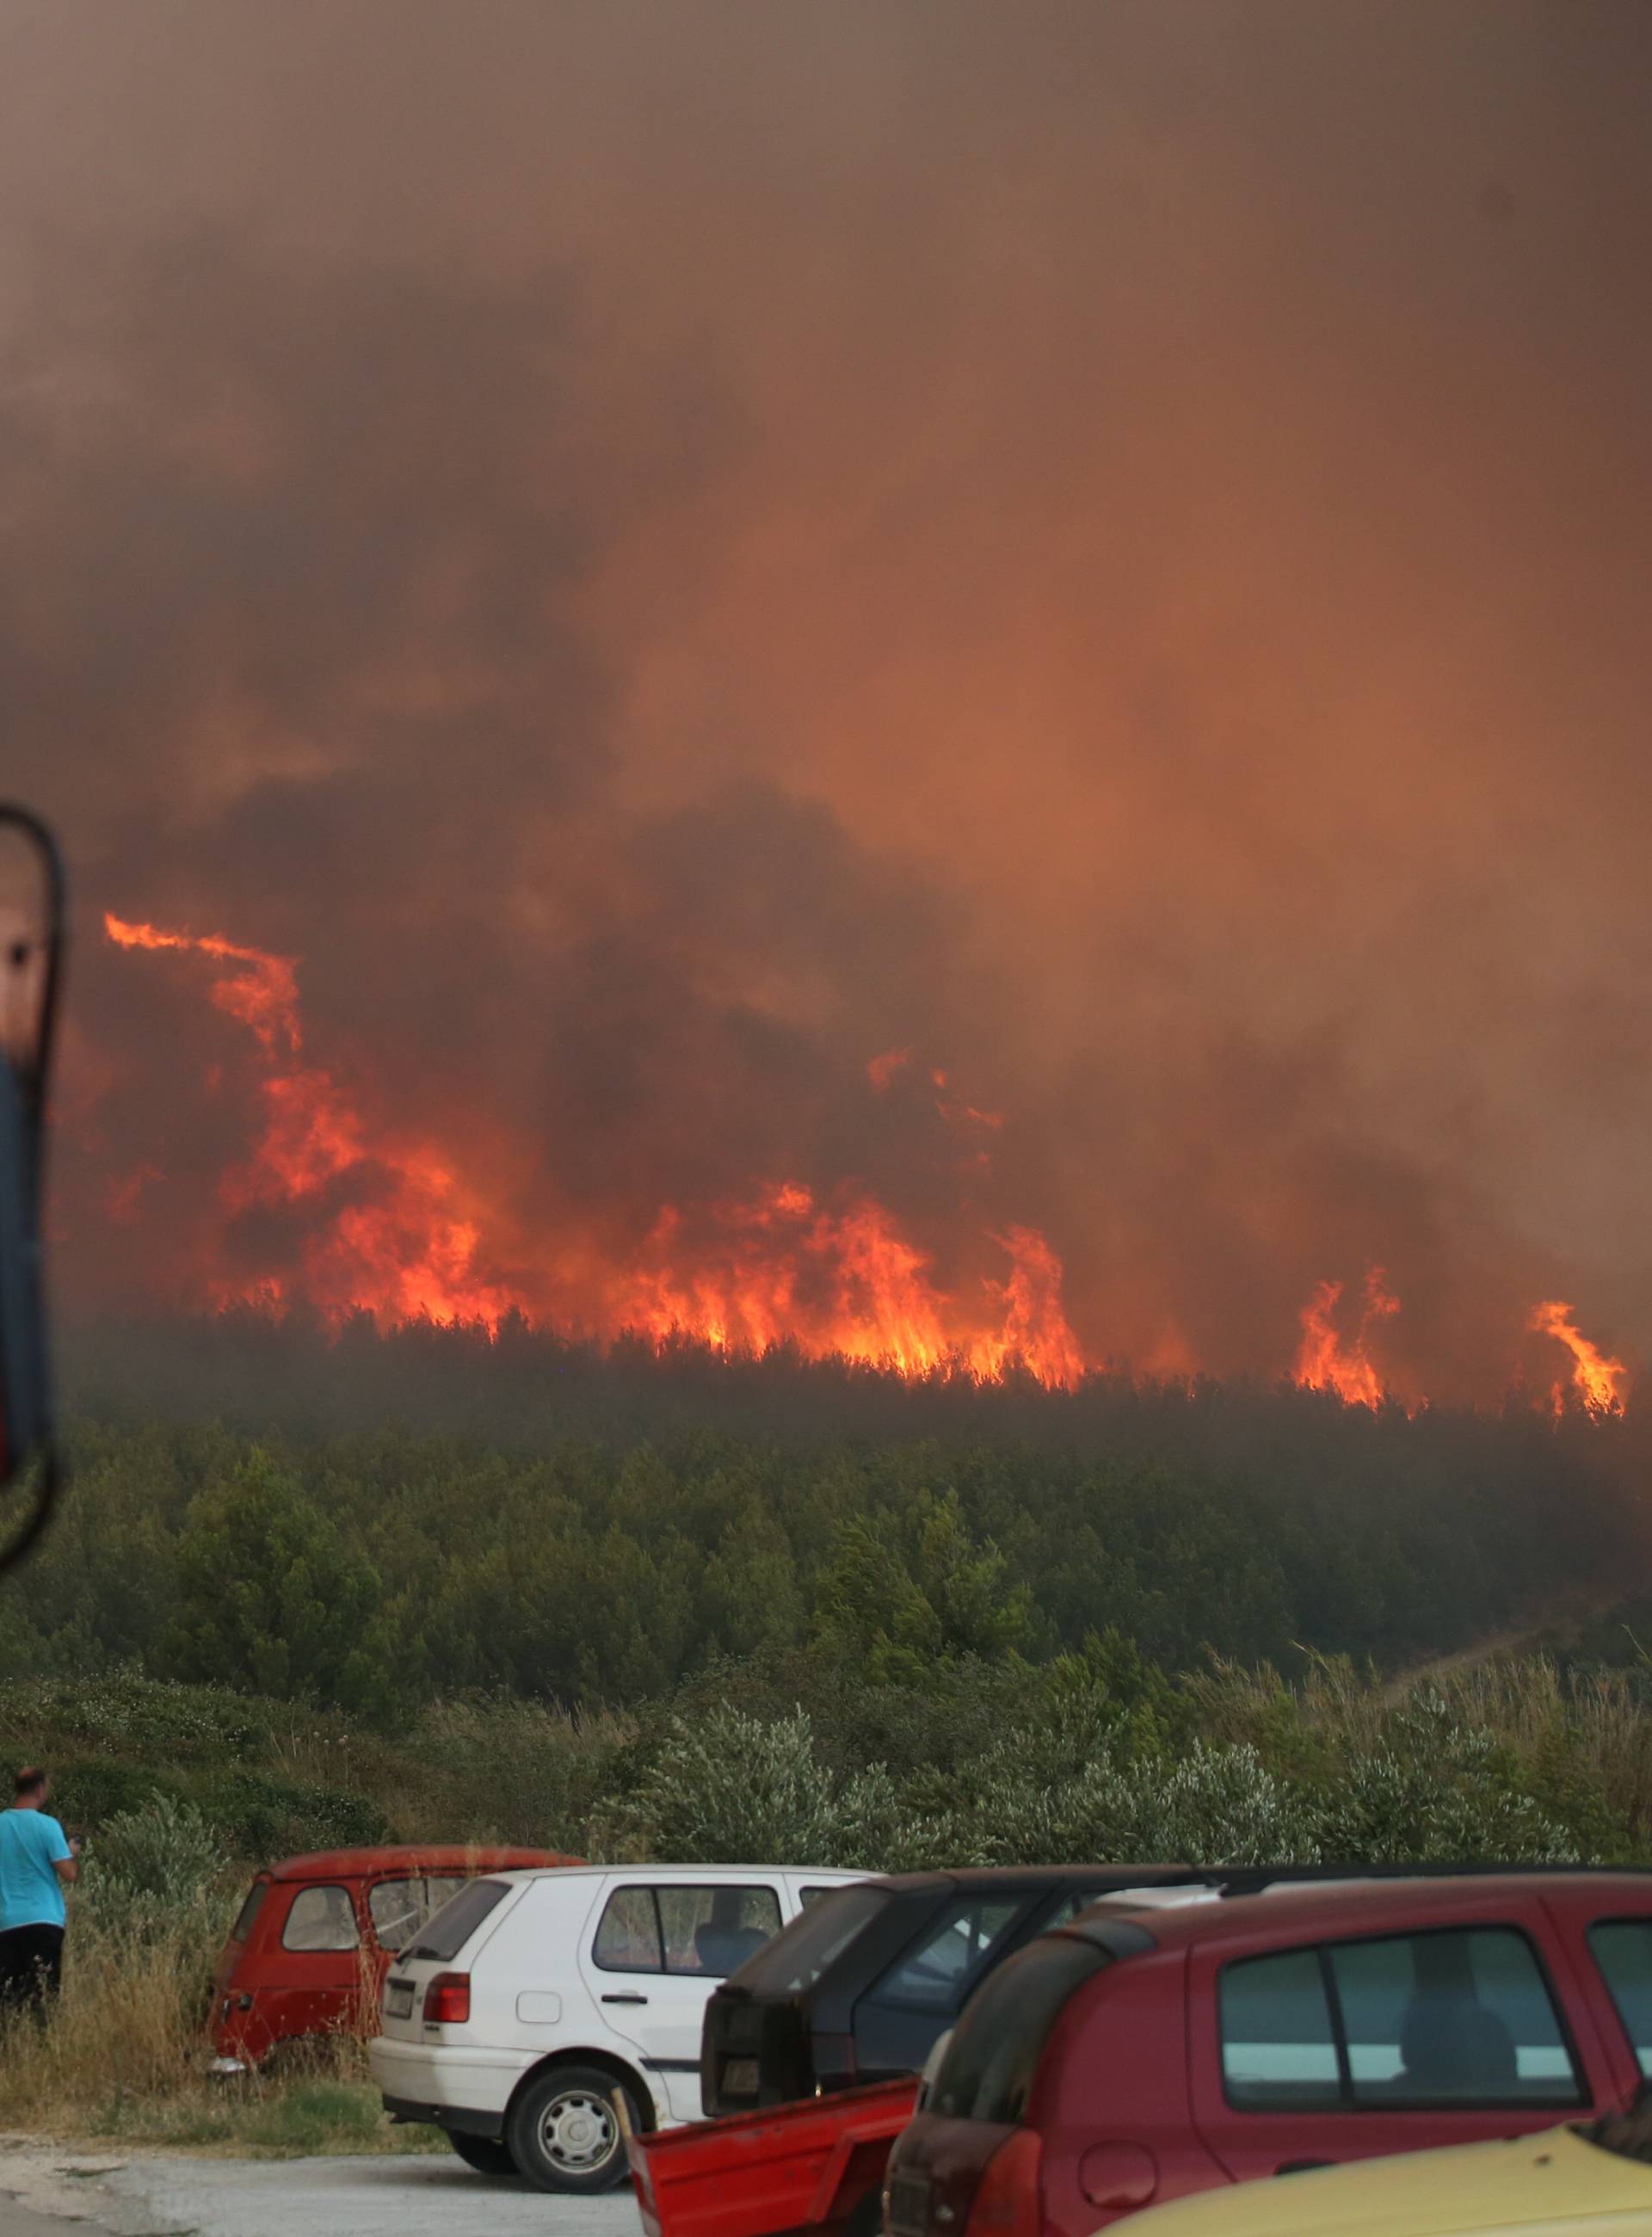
[377, 1217]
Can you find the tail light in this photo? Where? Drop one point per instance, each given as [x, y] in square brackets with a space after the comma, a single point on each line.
[447, 2000]
[1006, 2204]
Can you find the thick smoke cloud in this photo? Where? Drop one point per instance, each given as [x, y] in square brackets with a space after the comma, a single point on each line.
[666, 552]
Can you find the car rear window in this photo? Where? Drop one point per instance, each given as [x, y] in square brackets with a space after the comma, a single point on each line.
[933, 1976]
[250, 1911]
[322, 1919]
[398, 1909]
[454, 1923]
[992, 2060]
[817, 1938]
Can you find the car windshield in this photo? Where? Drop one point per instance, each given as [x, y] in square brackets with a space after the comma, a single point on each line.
[800, 1953]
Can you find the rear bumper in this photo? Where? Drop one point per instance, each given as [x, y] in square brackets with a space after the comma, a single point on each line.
[462, 2118]
[455, 2085]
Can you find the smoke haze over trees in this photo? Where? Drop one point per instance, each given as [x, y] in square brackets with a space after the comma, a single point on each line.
[668, 554]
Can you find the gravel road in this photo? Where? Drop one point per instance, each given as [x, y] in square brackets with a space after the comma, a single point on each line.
[162, 2194]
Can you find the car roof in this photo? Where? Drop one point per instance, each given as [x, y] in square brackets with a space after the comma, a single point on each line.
[985, 1878]
[696, 1875]
[1352, 1905]
[413, 1857]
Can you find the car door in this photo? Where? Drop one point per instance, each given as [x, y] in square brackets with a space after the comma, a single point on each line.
[314, 1966]
[1343, 2048]
[655, 1952]
[1611, 1947]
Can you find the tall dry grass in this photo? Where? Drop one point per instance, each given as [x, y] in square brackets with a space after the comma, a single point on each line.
[124, 2051]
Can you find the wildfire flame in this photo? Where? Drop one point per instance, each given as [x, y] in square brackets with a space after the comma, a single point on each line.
[385, 1230]
[1327, 1361]
[842, 1279]
[382, 1222]
[264, 996]
[1601, 1381]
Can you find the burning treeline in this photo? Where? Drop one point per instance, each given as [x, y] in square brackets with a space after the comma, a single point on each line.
[386, 1223]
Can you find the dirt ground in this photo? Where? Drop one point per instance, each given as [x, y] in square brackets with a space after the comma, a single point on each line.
[165, 2194]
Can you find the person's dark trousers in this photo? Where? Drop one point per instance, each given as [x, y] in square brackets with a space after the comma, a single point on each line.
[31, 1967]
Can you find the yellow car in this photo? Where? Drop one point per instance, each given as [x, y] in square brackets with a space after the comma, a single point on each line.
[1588, 2181]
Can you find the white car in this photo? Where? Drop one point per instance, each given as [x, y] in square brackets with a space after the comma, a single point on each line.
[539, 2011]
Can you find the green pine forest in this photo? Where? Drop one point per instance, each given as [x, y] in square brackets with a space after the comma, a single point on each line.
[325, 1586]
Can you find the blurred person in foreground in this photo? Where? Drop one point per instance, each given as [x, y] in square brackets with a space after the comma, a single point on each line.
[38, 1861]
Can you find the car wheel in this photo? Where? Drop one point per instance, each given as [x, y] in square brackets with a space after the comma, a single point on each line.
[564, 2131]
[485, 2153]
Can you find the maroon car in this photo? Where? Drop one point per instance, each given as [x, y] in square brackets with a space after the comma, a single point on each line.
[307, 1953]
[1132, 2056]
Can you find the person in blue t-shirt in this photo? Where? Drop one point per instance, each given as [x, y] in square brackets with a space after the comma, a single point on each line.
[37, 1863]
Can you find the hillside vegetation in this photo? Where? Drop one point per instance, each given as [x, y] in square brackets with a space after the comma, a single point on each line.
[375, 1522]
[421, 1586]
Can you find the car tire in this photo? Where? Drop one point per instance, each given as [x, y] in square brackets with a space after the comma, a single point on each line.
[564, 2131]
[485, 2153]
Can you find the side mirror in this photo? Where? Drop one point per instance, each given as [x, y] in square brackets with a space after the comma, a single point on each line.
[31, 948]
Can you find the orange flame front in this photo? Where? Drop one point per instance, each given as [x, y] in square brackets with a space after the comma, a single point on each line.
[1600, 1381]
[842, 1279]
[385, 1232]
[1325, 1360]
[384, 1222]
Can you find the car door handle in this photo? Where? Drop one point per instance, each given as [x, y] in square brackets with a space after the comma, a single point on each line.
[631, 1999]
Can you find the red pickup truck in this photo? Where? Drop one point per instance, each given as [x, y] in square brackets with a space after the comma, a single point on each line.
[1131, 2057]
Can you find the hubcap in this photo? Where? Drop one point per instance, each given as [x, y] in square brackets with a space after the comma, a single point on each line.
[579, 2132]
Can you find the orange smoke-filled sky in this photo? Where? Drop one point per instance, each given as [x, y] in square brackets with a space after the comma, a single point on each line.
[664, 552]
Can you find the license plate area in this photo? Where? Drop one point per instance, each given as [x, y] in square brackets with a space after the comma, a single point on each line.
[397, 2000]
[908, 2205]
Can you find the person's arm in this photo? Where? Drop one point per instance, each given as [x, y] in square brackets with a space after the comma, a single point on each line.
[66, 1857]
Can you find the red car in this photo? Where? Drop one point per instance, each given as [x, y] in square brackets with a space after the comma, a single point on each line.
[308, 1952]
[1128, 2058]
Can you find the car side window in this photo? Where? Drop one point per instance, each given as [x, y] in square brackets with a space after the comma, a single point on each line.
[321, 1918]
[1458, 2017]
[1279, 2045]
[1461, 2016]
[1623, 1949]
[398, 1909]
[711, 1931]
[628, 1937]
[932, 1977]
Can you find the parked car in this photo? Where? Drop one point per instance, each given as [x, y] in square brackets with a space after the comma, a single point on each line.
[1589, 2182]
[859, 1988]
[808, 2146]
[1128, 2058]
[307, 1952]
[541, 2013]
